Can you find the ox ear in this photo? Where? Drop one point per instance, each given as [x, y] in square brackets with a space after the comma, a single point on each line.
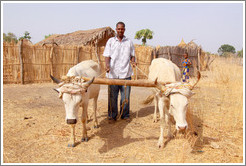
[55, 79]
[88, 83]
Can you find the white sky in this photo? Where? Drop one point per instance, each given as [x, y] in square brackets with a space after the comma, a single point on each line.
[210, 24]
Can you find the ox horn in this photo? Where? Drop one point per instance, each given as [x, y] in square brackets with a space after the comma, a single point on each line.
[198, 78]
[88, 83]
[55, 79]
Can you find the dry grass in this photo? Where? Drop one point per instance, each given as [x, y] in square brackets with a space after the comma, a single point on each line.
[215, 118]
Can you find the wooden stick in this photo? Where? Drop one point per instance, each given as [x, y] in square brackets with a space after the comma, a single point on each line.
[140, 83]
[21, 62]
[51, 60]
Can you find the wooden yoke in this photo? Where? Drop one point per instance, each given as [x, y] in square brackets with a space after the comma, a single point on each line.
[140, 83]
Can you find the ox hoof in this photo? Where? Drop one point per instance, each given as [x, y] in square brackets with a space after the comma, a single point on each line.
[71, 145]
[160, 144]
[85, 139]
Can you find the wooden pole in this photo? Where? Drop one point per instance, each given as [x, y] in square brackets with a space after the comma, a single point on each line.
[168, 53]
[51, 60]
[199, 58]
[21, 62]
[136, 69]
[140, 83]
[78, 55]
[96, 51]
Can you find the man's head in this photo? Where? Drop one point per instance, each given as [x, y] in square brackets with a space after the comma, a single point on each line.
[120, 29]
[185, 55]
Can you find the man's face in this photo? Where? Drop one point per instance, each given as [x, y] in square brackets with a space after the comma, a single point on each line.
[120, 29]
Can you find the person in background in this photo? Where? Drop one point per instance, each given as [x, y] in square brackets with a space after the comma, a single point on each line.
[186, 68]
[119, 54]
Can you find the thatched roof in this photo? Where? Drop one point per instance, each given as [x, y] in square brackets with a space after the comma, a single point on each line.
[192, 44]
[182, 43]
[82, 37]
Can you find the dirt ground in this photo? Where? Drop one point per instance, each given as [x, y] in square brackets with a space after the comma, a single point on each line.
[34, 129]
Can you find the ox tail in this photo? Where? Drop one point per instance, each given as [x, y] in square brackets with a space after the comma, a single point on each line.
[149, 99]
[197, 80]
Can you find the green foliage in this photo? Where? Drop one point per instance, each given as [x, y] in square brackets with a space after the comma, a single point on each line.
[240, 53]
[46, 36]
[144, 34]
[26, 36]
[9, 37]
[225, 49]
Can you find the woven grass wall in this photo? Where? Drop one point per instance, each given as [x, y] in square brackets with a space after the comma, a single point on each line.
[175, 54]
[41, 61]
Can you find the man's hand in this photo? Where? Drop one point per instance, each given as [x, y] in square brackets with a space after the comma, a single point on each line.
[134, 64]
[107, 68]
[107, 64]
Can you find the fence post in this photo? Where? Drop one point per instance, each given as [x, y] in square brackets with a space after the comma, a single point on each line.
[51, 61]
[78, 55]
[168, 53]
[199, 58]
[21, 62]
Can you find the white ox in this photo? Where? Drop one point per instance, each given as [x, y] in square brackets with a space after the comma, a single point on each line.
[77, 93]
[172, 98]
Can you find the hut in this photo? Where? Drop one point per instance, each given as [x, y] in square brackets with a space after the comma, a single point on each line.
[175, 54]
[182, 43]
[95, 37]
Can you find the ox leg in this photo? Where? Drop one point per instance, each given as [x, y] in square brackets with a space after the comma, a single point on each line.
[95, 112]
[168, 120]
[71, 142]
[156, 107]
[83, 120]
[162, 122]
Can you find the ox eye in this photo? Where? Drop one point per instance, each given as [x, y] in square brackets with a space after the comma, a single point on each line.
[85, 90]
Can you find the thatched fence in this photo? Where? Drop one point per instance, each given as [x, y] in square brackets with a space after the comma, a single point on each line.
[24, 63]
[27, 63]
[175, 54]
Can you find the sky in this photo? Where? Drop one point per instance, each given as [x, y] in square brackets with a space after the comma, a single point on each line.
[208, 24]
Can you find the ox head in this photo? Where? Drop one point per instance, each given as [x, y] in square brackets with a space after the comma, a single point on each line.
[178, 93]
[73, 93]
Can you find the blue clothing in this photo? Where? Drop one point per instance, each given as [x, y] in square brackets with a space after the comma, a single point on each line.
[113, 92]
[186, 69]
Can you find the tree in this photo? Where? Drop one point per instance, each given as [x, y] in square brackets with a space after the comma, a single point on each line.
[26, 36]
[46, 36]
[144, 34]
[9, 37]
[240, 53]
[225, 49]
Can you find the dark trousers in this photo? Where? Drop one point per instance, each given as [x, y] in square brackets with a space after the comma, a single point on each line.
[113, 92]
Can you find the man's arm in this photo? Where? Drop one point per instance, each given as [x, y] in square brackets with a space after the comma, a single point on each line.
[133, 61]
[107, 62]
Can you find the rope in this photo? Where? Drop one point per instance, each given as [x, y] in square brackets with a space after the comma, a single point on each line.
[123, 103]
[102, 74]
[141, 71]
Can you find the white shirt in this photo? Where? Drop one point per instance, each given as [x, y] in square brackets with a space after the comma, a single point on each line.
[120, 54]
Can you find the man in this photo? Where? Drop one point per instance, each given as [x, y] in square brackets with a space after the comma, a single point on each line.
[186, 68]
[119, 54]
